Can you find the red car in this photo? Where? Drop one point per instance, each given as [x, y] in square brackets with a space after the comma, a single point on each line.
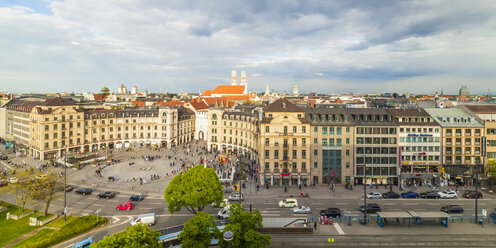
[125, 206]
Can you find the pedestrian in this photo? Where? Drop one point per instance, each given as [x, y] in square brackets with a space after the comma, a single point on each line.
[315, 226]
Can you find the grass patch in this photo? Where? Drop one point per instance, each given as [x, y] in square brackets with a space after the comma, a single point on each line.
[70, 228]
[41, 217]
[13, 229]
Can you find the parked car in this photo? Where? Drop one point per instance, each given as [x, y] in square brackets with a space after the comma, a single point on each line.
[12, 180]
[374, 195]
[69, 188]
[301, 210]
[84, 191]
[448, 194]
[452, 209]
[236, 197]
[42, 176]
[125, 206]
[410, 194]
[391, 194]
[371, 208]
[330, 212]
[429, 195]
[107, 195]
[288, 203]
[84, 244]
[223, 203]
[136, 198]
[472, 194]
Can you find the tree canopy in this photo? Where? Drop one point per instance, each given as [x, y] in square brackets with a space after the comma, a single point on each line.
[44, 188]
[193, 190]
[22, 189]
[198, 231]
[136, 236]
[243, 225]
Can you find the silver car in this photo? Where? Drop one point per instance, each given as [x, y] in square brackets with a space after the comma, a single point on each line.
[301, 210]
[374, 195]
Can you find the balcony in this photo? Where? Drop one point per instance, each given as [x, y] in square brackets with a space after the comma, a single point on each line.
[286, 158]
[285, 171]
[458, 143]
[467, 152]
[294, 170]
[477, 143]
[303, 171]
[285, 146]
[449, 143]
[467, 143]
[276, 170]
[458, 134]
[458, 152]
[449, 152]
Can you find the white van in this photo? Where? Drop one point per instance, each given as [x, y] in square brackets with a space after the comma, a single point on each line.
[147, 219]
[224, 213]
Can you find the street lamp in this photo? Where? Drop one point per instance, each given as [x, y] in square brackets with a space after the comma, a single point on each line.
[476, 172]
[65, 183]
[228, 236]
[364, 191]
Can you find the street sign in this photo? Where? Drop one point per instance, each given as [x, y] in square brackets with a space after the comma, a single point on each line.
[484, 213]
[330, 240]
[483, 146]
[33, 221]
[66, 209]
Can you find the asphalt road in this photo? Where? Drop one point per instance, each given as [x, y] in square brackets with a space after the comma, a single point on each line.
[89, 204]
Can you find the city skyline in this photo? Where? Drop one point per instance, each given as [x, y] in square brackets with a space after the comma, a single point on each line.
[324, 47]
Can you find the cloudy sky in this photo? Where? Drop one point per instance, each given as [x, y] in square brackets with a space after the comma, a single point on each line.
[323, 46]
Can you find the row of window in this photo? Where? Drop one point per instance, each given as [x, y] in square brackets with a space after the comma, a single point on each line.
[55, 118]
[420, 148]
[294, 165]
[376, 150]
[331, 142]
[285, 154]
[420, 158]
[419, 139]
[285, 142]
[458, 141]
[419, 130]
[376, 130]
[243, 125]
[376, 160]
[458, 132]
[458, 159]
[376, 141]
[376, 171]
[324, 130]
[316, 152]
[285, 129]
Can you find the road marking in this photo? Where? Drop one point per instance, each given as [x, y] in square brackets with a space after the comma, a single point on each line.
[271, 215]
[87, 210]
[145, 208]
[410, 204]
[7, 165]
[98, 205]
[338, 203]
[338, 228]
[433, 204]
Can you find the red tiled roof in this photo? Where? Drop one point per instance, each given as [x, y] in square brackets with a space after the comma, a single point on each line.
[238, 98]
[138, 103]
[229, 89]
[207, 93]
[170, 103]
[199, 105]
[100, 97]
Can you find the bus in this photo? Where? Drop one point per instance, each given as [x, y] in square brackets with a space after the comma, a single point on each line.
[172, 240]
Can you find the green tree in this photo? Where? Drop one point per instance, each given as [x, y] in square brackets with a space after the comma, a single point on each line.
[44, 188]
[198, 231]
[491, 168]
[22, 189]
[134, 237]
[193, 190]
[244, 225]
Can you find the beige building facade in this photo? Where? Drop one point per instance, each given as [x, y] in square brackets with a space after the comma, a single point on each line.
[284, 145]
[234, 133]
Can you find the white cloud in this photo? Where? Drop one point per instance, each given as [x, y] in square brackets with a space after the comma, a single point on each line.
[175, 45]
